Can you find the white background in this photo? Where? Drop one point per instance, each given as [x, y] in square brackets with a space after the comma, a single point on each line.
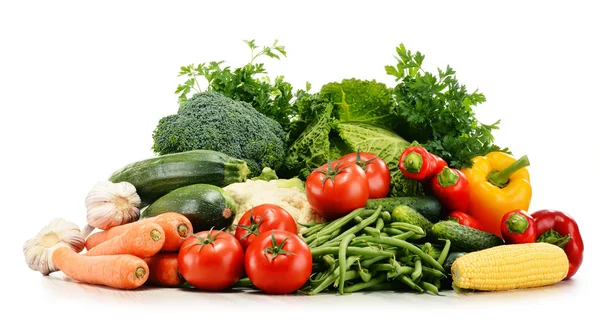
[83, 84]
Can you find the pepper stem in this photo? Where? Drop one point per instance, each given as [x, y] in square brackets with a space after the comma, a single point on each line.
[447, 177]
[517, 223]
[501, 178]
[413, 162]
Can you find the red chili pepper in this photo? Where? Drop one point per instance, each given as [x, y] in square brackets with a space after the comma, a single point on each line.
[518, 227]
[560, 229]
[465, 220]
[439, 163]
[417, 164]
[451, 187]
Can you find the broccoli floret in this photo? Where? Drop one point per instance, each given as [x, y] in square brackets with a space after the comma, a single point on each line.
[211, 121]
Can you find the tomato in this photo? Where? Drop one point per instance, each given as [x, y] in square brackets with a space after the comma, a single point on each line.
[279, 262]
[337, 188]
[263, 218]
[378, 173]
[211, 260]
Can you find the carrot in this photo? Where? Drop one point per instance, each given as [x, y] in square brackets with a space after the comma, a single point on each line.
[176, 226]
[164, 270]
[141, 240]
[117, 271]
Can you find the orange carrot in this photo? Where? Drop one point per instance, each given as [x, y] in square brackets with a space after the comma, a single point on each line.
[176, 226]
[141, 240]
[117, 271]
[164, 270]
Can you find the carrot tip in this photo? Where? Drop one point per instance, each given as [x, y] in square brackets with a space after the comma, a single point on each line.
[155, 235]
[140, 272]
[182, 230]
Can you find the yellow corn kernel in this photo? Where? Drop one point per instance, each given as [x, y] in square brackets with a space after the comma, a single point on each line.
[510, 267]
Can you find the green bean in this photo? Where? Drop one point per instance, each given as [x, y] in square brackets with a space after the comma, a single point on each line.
[360, 286]
[355, 229]
[379, 224]
[385, 216]
[373, 260]
[340, 222]
[412, 248]
[427, 248]
[310, 224]
[404, 279]
[393, 231]
[418, 270]
[444, 253]
[319, 240]
[384, 286]
[372, 231]
[332, 277]
[350, 275]
[342, 259]
[314, 229]
[434, 272]
[397, 269]
[365, 275]
[360, 251]
[407, 227]
[429, 287]
[357, 219]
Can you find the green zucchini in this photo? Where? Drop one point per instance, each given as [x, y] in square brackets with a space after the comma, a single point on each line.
[427, 206]
[406, 214]
[206, 206]
[155, 177]
[463, 238]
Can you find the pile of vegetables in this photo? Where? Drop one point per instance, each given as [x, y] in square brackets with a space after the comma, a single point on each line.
[356, 187]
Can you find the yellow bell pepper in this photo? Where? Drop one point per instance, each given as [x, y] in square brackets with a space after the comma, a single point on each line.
[497, 184]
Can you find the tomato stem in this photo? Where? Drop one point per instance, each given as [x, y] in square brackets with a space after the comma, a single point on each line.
[276, 249]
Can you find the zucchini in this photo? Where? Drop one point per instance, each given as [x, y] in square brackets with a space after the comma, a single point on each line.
[427, 206]
[206, 206]
[155, 177]
[463, 238]
[403, 213]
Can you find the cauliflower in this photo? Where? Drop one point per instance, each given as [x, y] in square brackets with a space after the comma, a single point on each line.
[288, 194]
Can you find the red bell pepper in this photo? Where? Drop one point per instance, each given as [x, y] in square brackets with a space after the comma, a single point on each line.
[451, 187]
[518, 227]
[416, 163]
[465, 220]
[560, 229]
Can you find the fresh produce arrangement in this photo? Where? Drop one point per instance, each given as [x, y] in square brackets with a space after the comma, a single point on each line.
[358, 187]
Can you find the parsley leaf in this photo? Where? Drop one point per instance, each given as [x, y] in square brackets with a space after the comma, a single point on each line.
[437, 111]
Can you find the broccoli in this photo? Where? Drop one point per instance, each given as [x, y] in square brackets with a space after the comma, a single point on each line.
[211, 121]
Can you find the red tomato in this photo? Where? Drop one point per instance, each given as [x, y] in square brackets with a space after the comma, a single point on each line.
[211, 261]
[337, 188]
[279, 262]
[263, 218]
[378, 173]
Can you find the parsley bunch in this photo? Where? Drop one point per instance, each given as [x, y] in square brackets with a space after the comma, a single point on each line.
[437, 111]
[249, 83]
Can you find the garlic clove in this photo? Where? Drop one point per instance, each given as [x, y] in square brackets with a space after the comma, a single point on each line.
[111, 204]
[58, 233]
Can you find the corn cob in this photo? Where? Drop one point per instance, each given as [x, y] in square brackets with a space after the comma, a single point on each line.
[509, 267]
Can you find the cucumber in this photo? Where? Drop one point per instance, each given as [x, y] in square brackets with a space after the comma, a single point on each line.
[403, 213]
[427, 206]
[206, 206]
[450, 260]
[155, 177]
[463, 238]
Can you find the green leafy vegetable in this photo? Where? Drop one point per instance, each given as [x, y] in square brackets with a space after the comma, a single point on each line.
[361, 101]
[437, 111]
[249, 83]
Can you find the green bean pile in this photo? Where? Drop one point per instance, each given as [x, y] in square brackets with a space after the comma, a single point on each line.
[365, 251]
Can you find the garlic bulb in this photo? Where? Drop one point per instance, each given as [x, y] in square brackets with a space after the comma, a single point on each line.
[58, 233]
[111, 204]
